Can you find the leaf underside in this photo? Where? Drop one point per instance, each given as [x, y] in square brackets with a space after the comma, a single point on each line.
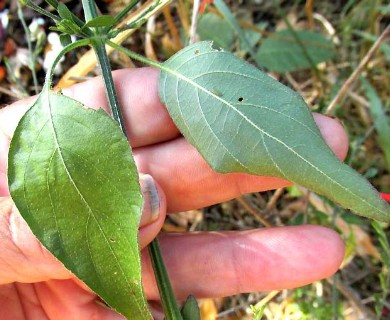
[73, 179]
[242, 120]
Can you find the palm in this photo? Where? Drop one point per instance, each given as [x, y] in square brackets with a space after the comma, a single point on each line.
[36, 286]
[54, 299]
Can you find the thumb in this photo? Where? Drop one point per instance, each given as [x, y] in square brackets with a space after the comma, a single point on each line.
[24, 259]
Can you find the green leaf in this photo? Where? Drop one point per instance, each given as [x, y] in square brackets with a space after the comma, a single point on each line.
[66, 26]
[212, 27]
[73, 178]
[281, 52]
[242, 120]
[64, 12]
[380, 118]
[65, 39]
[190, 309]
[252, 38]
[100, 21]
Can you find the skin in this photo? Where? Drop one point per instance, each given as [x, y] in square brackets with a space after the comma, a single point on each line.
[34, 285]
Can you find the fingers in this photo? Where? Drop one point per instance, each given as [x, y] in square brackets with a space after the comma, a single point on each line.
[190, 183]
[4, 146]
[66, 299]
[154, 210]
[147, 120]
[54, 299]
[24, 259]
[149, 123]
[225, 263]
[186, 178]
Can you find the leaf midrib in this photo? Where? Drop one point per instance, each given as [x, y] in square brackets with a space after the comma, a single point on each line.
[186, 79]
[55, 138]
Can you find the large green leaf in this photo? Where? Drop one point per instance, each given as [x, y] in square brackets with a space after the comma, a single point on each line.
[73, 179]
[241, 120]
[217, 29]
[282, 53]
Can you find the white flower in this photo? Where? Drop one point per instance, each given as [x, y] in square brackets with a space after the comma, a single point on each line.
[4, 18]
[36, 30]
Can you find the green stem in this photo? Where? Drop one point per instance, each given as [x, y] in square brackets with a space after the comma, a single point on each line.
[42, 11]
[22, 90]
[105, 67]
[119, 17]
[31, 63]
[90, 11]
[70, 47]
[136, 56]
[53, 3]
[133, 25]
[76, 19]
[171, 309]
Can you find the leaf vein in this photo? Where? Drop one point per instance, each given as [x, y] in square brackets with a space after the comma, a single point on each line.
[196, 85]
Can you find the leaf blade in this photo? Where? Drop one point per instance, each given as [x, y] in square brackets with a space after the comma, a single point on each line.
[100, 21]
[281, 52]
[62, 174]
[236, 102]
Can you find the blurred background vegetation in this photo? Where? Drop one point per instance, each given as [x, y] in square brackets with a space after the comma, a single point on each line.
[312, 46]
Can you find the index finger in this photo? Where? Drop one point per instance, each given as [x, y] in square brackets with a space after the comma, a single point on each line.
[147, 120]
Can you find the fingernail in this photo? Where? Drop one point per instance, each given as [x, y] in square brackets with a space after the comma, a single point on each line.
[151, 209]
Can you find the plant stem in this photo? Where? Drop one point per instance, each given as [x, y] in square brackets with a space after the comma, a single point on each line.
[104, 63]
[42, 11]
[134, 24]
[135, 56]
[30, 50]
[90, 11]
[105, 67]
[87, 63]
[70, 47]
[170, 306]
[118, 18]
[54, 4]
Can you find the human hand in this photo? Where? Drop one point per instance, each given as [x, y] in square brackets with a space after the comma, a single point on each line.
[34, 285]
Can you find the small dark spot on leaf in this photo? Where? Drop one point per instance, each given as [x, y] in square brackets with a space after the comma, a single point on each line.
[112, 239]
[196, 51]
[240, 99]
[216, 92]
